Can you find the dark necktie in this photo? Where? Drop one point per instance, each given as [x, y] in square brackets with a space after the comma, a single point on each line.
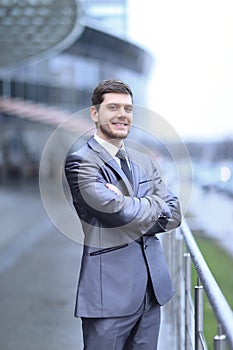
[121, 154]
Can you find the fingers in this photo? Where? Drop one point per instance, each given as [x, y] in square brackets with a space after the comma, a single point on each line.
[113, 188]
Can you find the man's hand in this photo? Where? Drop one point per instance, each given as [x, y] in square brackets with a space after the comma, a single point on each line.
[113, 188]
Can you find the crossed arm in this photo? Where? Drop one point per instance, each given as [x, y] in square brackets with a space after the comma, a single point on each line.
[94, 196]
[161, 225]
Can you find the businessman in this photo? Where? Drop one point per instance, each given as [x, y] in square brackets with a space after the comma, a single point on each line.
[123, 205]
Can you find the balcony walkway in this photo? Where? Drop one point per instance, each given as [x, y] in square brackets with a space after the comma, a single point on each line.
[38, 276]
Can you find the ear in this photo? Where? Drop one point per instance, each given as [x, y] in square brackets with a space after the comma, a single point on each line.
[94, 114]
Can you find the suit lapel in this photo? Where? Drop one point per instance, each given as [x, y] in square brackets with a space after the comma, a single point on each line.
[107, 159]
[135, 171]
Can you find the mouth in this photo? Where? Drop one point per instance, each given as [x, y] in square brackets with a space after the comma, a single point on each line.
[120, 124]
[121, 127]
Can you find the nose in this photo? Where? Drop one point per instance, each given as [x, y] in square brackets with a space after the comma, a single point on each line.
[121, 111]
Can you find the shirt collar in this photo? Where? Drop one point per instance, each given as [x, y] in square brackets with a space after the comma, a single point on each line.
[110, 148]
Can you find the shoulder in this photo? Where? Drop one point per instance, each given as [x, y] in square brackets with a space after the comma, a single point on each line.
[85, 155]
[82, 151]
[77, 154]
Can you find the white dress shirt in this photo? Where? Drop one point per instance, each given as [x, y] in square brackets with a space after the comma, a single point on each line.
[110, 148]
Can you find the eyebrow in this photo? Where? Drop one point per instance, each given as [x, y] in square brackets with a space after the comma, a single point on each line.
[119, 104]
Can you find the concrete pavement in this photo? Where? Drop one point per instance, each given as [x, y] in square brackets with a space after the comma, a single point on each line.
[38, 277]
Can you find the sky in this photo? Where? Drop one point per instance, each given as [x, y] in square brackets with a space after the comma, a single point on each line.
[191, 82]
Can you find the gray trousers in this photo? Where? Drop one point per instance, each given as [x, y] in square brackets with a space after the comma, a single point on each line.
[134, 332]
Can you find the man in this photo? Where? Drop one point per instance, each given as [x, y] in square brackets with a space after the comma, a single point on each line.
[123, 204]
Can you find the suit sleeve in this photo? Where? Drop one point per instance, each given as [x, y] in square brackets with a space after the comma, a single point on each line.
[170, 216]
[92, 199]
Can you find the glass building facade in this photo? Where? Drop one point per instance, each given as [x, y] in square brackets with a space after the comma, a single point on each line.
[57, 60]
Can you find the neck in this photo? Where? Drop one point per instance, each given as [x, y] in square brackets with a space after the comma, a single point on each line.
[116, 142]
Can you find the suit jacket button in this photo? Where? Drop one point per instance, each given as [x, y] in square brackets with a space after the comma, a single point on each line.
[145, 246]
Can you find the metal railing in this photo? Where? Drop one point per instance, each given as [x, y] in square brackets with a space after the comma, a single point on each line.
[185, 313]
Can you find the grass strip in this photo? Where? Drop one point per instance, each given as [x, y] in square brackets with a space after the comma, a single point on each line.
[221, 266]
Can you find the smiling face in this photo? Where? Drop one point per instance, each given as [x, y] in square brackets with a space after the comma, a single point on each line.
[114, 117]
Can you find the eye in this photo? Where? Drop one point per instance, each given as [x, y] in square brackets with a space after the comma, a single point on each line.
[128, 109]
[112, 107]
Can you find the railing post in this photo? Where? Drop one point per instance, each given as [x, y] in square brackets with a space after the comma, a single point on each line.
[220, 306]
[220, 340]
[179, 287]
[187, 266]
[199, 315]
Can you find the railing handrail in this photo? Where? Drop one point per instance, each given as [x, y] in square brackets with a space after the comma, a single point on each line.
[214, 294]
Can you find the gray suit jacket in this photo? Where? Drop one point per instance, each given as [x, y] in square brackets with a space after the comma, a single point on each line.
[121, 246]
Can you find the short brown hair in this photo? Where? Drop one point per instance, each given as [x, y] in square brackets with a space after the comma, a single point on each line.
[108, 86]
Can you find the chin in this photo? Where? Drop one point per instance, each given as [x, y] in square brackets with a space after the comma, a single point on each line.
[120, 136]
